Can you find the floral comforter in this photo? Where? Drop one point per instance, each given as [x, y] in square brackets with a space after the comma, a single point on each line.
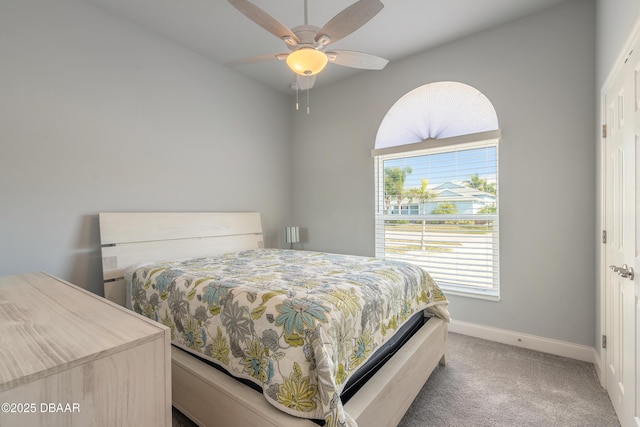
[296, 323]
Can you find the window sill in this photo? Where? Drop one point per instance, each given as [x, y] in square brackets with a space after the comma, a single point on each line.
[464, 292]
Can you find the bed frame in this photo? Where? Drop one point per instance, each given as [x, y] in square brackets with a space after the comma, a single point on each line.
[206, 395]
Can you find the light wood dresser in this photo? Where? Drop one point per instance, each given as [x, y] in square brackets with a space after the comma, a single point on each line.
[71, 358]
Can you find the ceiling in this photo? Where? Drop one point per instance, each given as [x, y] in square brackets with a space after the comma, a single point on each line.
[217, 30]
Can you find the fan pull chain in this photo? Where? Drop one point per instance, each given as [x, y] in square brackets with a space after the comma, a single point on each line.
[297, 90]
[308, 94]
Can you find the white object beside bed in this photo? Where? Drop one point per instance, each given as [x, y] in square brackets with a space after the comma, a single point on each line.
[95, 362]
[208, 396]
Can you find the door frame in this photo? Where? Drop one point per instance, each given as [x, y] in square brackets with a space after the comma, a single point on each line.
[624, 53]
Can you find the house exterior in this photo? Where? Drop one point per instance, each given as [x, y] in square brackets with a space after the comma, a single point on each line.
[467, 200]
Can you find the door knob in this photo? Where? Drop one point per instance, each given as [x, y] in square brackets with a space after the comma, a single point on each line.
[624, 271]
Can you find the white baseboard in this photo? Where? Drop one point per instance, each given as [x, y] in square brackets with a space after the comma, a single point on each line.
[598, 365]
[532, 342]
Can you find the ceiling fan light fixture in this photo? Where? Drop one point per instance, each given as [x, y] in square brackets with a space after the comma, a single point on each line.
[307, 61]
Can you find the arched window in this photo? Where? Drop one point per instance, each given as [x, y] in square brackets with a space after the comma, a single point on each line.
[436, 168]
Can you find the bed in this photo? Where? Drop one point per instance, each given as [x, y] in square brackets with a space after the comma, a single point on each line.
[217, 263]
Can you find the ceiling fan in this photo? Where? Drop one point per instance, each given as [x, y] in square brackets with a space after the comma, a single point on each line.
[308, 54]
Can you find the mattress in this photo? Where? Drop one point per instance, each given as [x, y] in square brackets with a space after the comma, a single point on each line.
[298, 324]
[366, 371]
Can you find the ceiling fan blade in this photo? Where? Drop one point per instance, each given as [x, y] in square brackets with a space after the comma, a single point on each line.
[350, 58]
[304, 82]
[349, 20]
[265, 20]
[256, 59]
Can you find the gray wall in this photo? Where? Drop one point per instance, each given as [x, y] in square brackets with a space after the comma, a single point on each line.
[99, 115]
[539, 73]
[95, 112]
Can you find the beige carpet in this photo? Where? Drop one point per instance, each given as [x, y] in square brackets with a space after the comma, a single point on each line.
[493, 385]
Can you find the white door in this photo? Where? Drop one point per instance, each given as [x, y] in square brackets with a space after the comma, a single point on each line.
[621, 158]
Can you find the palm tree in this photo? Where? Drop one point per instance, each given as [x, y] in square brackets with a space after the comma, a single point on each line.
[423, 195]
[394, 185]
[481, 184]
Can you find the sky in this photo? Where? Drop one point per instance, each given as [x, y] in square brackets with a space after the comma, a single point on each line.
[449, 166]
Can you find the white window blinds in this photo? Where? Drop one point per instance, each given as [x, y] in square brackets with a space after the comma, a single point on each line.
[439, 209]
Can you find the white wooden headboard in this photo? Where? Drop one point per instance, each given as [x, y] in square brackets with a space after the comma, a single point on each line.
[132, 237]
